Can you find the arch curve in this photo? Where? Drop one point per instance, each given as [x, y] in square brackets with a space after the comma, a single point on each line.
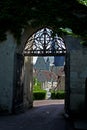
[39, 41]
[26, 34]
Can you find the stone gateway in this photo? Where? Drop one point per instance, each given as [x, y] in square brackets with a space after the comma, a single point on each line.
[16, 75]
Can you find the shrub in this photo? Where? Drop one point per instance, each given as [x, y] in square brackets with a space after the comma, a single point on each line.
[58, 94]
[39, 95]
[52, 95]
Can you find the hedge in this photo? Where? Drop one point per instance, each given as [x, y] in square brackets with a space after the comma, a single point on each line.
[58, 95]
[53, 95]
[39, 95]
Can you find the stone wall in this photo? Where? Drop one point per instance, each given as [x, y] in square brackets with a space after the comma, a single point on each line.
[7, 49]
[78, 66]
[78, 74]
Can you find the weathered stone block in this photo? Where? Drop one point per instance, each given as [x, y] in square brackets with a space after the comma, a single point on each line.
[74, 75]
[77, 102]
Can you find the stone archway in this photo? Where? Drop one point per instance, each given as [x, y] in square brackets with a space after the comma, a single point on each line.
[75, 79]
[28, 79]
[10, 68]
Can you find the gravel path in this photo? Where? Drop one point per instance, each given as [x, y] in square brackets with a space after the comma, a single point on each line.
[45, 115]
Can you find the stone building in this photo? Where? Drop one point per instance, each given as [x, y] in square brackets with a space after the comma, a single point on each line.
[48, 73]
[41, 64]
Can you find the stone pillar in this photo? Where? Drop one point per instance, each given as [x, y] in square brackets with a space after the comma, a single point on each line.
[28, 83]
[78, 75]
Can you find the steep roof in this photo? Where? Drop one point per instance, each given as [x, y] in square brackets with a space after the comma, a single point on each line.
[41, 64]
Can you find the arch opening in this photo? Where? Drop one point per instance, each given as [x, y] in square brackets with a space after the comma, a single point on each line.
[41, 43]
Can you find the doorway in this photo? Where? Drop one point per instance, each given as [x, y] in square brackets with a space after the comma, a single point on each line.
[41, 43]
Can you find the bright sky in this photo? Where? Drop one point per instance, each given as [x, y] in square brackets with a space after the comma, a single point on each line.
[34, 59]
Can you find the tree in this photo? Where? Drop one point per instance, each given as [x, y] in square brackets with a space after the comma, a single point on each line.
[58, 14]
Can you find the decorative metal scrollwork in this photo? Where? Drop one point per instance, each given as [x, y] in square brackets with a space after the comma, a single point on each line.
[42, 43]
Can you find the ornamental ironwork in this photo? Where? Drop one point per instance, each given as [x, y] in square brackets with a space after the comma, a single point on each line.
[43, 44]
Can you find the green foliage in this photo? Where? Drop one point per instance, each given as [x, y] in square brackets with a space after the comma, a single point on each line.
[34, 80]
[58, 94]
[39, 95]
[17, 14]
[37, 85]
[36, 88]
[38, 92]
[84, 2]
[53, 95]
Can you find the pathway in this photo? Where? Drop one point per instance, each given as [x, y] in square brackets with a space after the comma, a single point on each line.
[45, 115]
